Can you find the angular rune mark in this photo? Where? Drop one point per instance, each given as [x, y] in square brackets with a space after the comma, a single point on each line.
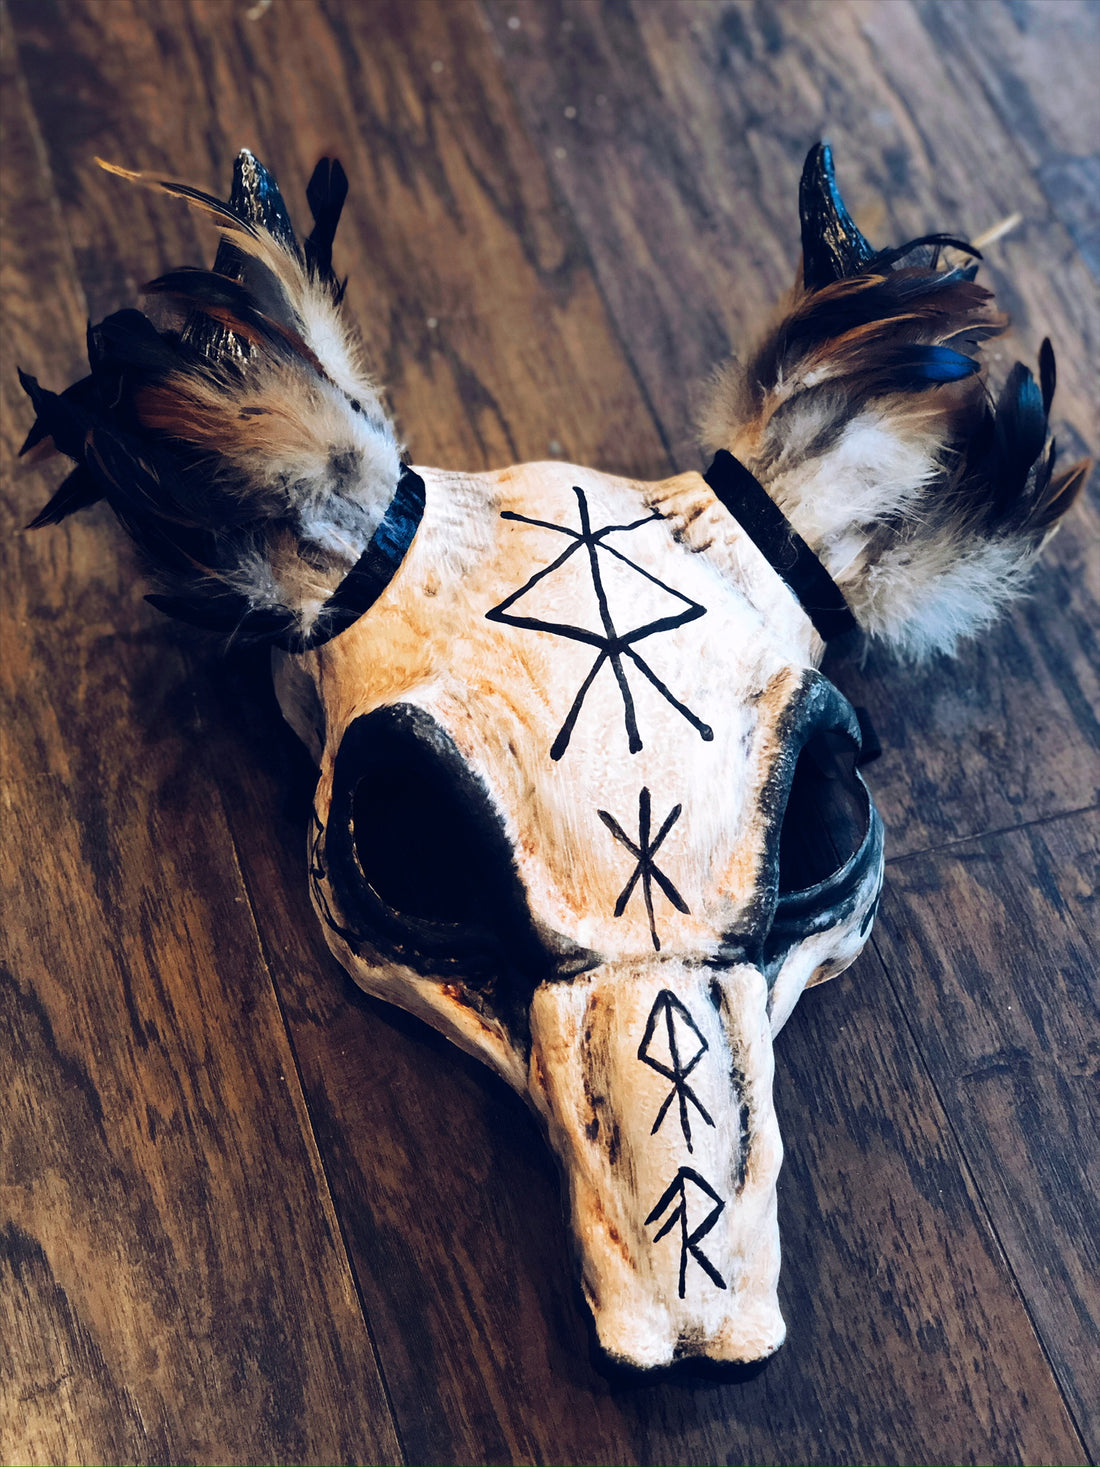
[686, 1047]
[644, 851]
[612, 645]
[689, 1241]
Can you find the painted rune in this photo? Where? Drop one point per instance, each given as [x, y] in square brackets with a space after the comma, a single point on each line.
[678, 1192]
[612, 646]
[644, 850]
[686, 1047]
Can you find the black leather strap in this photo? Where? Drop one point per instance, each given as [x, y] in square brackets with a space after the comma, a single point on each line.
[784, 549]
[373, 571]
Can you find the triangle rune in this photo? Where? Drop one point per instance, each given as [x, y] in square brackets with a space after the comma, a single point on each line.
[614, 647]
[685, 1047]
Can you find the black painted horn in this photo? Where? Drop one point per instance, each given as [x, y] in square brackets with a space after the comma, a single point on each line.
[832, 245]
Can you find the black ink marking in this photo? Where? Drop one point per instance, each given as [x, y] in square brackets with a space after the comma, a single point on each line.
[612, 645]
[868, 918]
[318, 875]
[644, 851]
[684, 1059]
[689, 1241]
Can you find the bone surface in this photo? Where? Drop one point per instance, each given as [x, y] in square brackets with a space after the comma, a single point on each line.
[636, 789]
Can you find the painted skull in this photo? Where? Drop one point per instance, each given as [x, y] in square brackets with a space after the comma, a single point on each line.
[585, 802]
[587, 806]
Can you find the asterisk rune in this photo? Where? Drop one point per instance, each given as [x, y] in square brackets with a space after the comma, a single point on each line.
[646, 870]
[612, 645]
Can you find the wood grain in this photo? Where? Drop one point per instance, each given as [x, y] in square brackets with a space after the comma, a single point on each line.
[992, 962]
[249, 1214]
[175, 1285]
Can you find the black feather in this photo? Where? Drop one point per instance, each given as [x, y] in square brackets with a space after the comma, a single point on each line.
[210, 293]
[129, 340]
[64, 417]
[1048, 373]
[886, 259]
[1021, 417]
[325, 193]
[78, 491]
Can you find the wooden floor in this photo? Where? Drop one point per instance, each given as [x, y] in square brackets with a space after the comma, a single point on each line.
[248, 1215]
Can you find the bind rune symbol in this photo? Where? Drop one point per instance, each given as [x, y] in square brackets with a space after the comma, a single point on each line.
[677, 1021]
[645, 850]
[689, 1242]
[612, 645]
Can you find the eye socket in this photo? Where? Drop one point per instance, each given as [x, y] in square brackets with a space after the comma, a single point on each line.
[827, 815]
[423, 845]
[830, 846]
[418, 859]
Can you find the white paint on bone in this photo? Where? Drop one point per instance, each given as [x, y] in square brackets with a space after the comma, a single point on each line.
[600, 1102]
[501, 693]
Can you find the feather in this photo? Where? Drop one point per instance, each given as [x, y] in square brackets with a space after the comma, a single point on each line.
[325, 194]
[78, 491]
[248, 453]
[865, 414]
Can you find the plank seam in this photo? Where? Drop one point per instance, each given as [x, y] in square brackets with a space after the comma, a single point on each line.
[963, 840]
[584, 253]
[312, 1134]
[982, 1211]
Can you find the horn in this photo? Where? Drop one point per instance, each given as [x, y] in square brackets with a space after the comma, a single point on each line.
[832, 246]
[255, 197]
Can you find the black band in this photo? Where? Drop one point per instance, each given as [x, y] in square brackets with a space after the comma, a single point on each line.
[782, 547]
[372, 572]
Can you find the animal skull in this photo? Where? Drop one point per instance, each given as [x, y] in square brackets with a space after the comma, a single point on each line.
[577, 765]
[585, 802]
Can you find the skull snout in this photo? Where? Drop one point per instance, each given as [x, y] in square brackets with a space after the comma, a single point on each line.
[655, 1082]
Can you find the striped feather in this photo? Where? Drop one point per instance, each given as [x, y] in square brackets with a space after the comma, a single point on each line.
[865, 413]
[247, 453]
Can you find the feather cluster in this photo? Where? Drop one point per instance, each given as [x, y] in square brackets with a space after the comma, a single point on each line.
[865, 416]
[246, 452]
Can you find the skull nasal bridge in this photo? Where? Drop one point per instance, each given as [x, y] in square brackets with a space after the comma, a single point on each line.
[612, 644]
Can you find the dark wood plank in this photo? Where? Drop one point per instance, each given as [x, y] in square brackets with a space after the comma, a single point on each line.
[417, 1187]
[175, 1288]
[1037, 64]
[676, 132]
[994, 965]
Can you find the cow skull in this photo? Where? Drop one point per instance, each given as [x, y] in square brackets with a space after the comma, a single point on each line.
[578, 778]
[585, 802]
